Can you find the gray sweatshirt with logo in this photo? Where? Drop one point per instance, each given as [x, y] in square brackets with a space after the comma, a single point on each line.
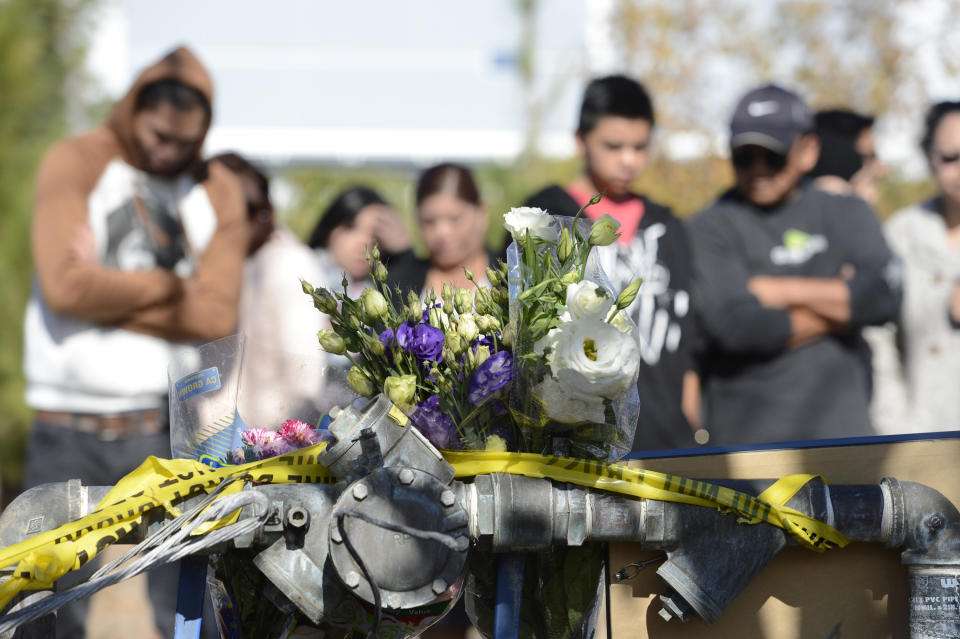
[756, 388]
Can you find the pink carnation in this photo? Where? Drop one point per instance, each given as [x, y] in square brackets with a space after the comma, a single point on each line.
[258, 436]
[299, 433]
[279, 446]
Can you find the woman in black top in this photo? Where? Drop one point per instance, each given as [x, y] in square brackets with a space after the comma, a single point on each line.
[453, 224]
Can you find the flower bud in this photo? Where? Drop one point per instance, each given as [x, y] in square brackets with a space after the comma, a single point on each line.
[492, 321]
[463, 300]
[378, 271]
[469, 274]
[375, 252]
[482, 301]
[570, 277]
[449, 357]
[376, 347]
[324, 300]
[446, 293]
[452, 343]
[508, 334]
[331, 342]
[359, 382]
[401, 390]
[493, 277]
[482, 354]
[627, 295]
[565, 247]
[414, 307]
[307, 287]
[467, 328]
[437, 318]
[604, 231]
[413, 314]
[483, 323]
[374, 303]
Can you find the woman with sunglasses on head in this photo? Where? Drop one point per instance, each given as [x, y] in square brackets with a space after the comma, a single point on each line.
[917, 361]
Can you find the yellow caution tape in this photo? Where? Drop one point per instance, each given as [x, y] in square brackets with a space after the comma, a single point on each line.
[156, 483]
[160, 483]
[768, 507]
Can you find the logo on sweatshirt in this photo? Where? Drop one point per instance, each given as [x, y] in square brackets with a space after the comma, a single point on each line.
[798, 247]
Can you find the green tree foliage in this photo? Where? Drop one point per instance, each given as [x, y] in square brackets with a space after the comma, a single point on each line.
[39, 50]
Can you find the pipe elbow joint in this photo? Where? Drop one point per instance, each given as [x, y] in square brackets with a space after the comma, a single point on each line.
[922, 521]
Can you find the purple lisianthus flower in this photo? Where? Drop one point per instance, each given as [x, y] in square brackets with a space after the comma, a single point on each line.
[491, 377]
[400, 336]
[435, 425]
[426, 343]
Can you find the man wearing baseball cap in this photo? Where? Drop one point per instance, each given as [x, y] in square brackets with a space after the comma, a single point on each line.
[787, 275]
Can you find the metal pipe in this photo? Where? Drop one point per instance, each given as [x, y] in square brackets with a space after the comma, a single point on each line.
[710, 557]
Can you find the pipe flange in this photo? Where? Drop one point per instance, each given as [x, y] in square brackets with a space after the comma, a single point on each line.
[894, 513]
[407, 570]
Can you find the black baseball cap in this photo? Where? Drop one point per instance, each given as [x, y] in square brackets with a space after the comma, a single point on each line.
[771, 117]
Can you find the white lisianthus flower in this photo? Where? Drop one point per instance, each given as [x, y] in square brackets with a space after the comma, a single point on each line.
[591, 357]
[532, 221]
[586, 300]
[569, 408]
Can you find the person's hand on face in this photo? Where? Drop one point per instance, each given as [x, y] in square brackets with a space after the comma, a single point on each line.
[259, 212]
[391, 234]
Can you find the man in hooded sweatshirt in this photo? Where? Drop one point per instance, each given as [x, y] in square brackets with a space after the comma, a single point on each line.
[138, 249]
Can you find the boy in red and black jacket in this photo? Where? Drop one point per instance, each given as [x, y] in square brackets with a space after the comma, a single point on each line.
[613, 138]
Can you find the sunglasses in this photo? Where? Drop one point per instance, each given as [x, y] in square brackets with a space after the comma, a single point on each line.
[745, 157]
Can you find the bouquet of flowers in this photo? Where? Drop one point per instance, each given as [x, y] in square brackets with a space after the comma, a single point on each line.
[444, 360]
[576, 348]
[544, 359]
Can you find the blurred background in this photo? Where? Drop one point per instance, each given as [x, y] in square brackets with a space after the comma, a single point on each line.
[325, 95]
